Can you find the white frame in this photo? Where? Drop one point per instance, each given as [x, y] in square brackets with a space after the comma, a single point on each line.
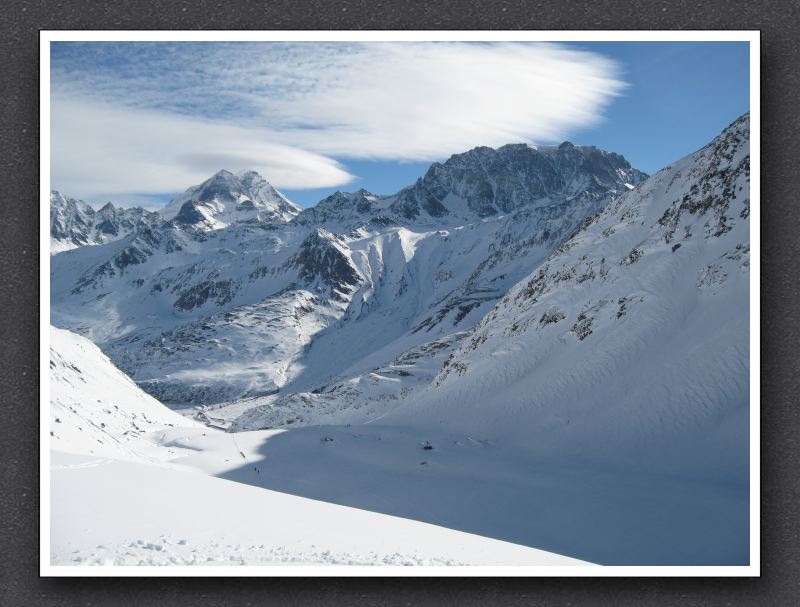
[753, 569]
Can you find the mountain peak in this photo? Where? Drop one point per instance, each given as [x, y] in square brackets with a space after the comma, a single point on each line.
[485, 181]
[227, 198]
[250, 174]
[73, 223]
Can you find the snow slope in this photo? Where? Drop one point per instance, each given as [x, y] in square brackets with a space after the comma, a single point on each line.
[635, 331]
[133, 483]
[478, 483]
[631, 341]
[96, 409]
[599, 410]
[597, 406]
[113, 512]
[366, 396]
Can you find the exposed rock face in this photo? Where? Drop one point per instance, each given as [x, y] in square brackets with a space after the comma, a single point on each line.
[491, 182]
[341, 208]
[73, 223]
[323, 259]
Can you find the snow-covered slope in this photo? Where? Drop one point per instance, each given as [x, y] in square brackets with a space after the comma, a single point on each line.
[366, 396]
[567, 374]
[154, 499]
[635, 330]
[73, 223]
[599, 410]
[133, 483]
[95, 409]
[113, 512]
[227, 300]
[631, 341]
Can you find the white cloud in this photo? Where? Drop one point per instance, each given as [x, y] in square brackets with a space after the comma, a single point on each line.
[427, 101]
[101, 152]
[146, 118]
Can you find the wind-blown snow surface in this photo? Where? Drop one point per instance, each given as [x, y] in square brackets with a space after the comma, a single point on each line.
[132, 483]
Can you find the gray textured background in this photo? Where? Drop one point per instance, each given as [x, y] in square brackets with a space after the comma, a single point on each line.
[19, 262]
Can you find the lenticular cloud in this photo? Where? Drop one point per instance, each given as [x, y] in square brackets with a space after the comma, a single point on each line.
[425, 101]
[172, 110]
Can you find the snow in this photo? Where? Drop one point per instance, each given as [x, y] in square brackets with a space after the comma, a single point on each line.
[564, 369]
[226, 198]
[158, 301]
[73, 223]
[160, 497]
[113, 512]
[481, 484]
[627, 347]
[622, 355]
[57, 246]
[355, 398]
[96, 410]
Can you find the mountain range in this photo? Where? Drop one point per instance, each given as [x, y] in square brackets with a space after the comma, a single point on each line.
[231, 291]
[541, 345]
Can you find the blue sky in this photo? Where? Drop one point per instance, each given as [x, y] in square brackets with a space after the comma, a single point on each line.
[137, 123]
[681, 96]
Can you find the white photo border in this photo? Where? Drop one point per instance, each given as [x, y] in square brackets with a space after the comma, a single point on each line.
[753, 37]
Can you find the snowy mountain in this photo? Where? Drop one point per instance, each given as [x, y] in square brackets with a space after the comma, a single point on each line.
[599, 410]
[228, 198]
[73, 223]
[560, 362]
[344, 210]
[631, 340]
[236, 294]
[485, 182]
[612, 316]
[221, 200]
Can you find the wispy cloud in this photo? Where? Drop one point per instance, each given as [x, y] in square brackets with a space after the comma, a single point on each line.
[101, 151]
[155, 117]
